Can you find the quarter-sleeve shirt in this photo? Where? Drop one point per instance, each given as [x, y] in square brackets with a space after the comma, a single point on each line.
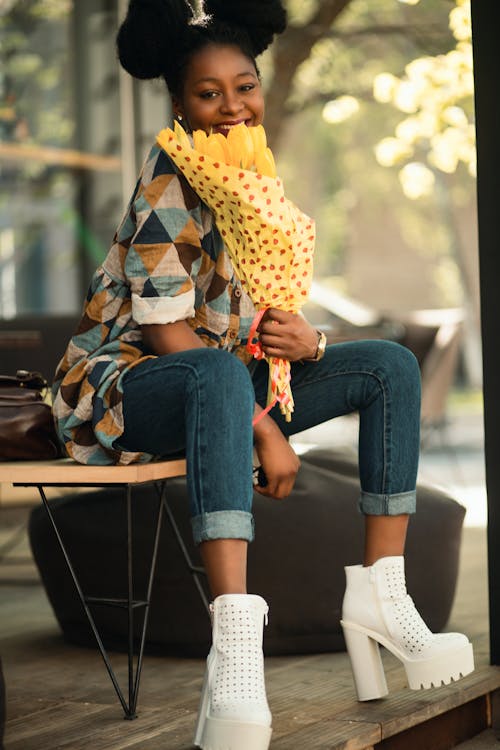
[167, 263]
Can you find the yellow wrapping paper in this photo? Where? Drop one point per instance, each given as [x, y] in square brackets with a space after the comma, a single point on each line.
[269, 240]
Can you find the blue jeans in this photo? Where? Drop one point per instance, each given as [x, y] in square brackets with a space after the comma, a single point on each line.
[200, 402]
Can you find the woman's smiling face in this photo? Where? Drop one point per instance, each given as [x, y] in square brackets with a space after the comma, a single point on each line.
[221, 89]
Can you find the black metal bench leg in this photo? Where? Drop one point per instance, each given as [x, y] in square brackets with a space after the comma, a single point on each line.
[133, 679]
[195, 570]
[156, 544]
[130, 606]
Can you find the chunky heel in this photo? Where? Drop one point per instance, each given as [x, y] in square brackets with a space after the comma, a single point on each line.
[367, 668]
[202, 712]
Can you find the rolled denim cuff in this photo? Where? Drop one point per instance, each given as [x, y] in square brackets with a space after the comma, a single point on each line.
[401, 503]
[223, 524]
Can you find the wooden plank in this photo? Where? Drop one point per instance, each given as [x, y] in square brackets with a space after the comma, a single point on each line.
[51, 721]
[45, 666]
[65, 471]
[19, 706]
[329, 735]
[444, 731]
[406, 708]
[78, 726]
[495, 709]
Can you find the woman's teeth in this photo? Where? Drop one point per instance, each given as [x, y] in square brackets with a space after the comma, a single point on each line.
[228, 127]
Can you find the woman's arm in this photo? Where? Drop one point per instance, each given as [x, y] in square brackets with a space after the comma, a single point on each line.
[167, 338]
[279, 461]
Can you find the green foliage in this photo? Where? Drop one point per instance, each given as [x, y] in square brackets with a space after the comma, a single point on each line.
[35, 96]
[436, 94]
[51, 10]
[365, 40]
[300, 11]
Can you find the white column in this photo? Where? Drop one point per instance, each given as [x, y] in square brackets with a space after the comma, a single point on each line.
[127, 124]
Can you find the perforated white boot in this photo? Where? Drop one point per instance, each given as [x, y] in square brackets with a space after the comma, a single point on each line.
[234, 713]
[377, 610]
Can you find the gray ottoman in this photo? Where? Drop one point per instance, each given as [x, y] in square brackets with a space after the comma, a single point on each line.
[296, 561]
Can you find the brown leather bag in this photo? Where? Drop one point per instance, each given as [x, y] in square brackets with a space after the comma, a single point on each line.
[26, 424]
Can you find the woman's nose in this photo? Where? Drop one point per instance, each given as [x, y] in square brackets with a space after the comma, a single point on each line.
[231, 104]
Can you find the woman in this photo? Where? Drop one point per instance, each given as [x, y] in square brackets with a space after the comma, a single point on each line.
[159, 366]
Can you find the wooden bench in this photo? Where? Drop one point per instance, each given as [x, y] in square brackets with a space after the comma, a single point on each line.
[68, 473]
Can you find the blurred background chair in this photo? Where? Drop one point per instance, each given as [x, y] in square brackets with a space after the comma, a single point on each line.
[435, 336]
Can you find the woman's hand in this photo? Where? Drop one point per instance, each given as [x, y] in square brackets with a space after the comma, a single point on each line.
[278, 460]
[287, 335]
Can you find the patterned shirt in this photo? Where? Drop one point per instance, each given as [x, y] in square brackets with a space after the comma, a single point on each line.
[167, 263]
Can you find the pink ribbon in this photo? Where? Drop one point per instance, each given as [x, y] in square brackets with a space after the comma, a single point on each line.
[255, 348]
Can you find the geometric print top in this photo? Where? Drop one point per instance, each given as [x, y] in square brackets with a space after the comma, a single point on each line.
[167, 263]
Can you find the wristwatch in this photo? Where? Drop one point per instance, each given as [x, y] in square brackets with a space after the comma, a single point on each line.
[320, 351]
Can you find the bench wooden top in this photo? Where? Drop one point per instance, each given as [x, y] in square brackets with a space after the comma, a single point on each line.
[65, 471]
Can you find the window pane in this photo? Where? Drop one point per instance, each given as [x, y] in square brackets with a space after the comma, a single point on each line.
[60, 192]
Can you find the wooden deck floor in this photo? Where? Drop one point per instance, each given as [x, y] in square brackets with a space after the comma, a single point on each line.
[60, 697]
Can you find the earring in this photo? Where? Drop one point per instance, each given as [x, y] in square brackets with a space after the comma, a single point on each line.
[183, 123]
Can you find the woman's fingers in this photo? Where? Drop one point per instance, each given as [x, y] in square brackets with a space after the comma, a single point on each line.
[278, 460]
[278, 491]
[287, 336]
[269, 339]
[274, 317]
[280, 316]
[276, 352]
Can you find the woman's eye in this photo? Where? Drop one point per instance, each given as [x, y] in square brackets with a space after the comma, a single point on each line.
[208, 94]
[247, 87]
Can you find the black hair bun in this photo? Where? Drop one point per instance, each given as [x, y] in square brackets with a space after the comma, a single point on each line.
[260, 20]
[152, 35]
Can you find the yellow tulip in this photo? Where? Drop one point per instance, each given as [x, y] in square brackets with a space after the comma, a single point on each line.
[241, 145]
[258, 135]
[215, 150]
[181, 136]
[232, 149]
[264, 163]
[222, 141]
[200, 139]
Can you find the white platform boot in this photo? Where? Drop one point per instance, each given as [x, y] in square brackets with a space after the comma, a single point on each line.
[377, 610]
[234, 713]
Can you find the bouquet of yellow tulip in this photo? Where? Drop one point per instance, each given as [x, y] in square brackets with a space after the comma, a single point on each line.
[269, 240]
[242, 147]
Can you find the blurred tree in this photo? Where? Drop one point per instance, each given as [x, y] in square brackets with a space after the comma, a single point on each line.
[437, 95]
[320, 74]
[433, 146]
[334, 47]
[34, 72]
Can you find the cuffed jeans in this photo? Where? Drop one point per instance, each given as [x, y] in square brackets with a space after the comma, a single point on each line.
[200, 402]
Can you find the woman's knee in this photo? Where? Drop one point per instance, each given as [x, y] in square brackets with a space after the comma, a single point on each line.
[224, 377]
[401, 367]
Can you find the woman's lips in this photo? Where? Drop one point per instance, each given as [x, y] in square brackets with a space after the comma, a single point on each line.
[225, 127]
